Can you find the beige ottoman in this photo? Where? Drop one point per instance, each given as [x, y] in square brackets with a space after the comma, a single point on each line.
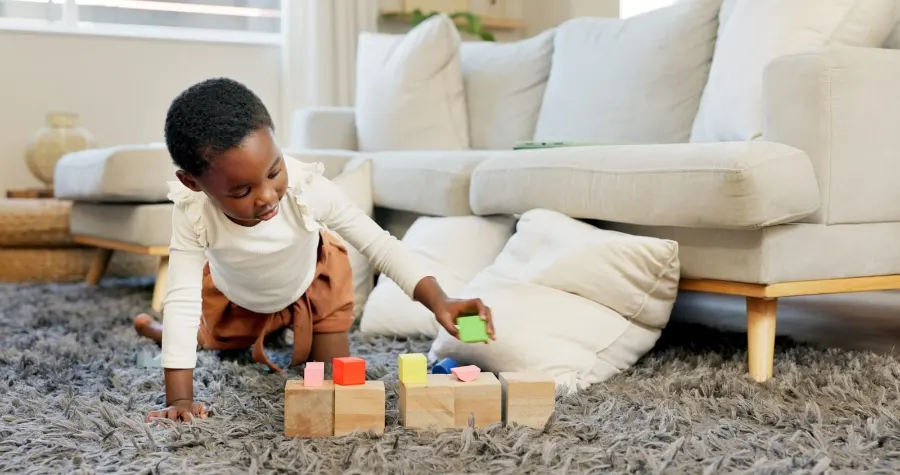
[119, 204]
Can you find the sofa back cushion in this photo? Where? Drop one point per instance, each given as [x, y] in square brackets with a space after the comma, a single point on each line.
[754, 32]
[634, 80]
[409, 89]
[505, 84]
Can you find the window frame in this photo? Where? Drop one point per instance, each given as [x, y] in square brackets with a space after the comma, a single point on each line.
[70, 25]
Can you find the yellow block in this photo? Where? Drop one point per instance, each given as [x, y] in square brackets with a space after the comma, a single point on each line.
[413, 368]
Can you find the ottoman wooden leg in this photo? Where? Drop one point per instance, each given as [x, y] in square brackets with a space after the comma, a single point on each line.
[159, 289]
[98, 266]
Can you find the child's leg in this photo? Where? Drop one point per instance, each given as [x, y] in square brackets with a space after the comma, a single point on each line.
[327, 346]
[148, 327]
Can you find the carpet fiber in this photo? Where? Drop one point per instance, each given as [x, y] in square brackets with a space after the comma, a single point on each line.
[73, 401]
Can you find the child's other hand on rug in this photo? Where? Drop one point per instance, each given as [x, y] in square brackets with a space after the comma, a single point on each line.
[184, 411]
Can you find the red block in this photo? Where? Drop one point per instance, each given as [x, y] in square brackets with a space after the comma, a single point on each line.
[349, 371]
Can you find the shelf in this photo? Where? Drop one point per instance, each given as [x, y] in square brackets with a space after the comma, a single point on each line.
[490, 23]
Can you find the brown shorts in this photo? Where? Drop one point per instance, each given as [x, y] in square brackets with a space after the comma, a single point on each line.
[326, 307]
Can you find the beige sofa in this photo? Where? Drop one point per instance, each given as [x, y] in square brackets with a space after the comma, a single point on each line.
[805, 205]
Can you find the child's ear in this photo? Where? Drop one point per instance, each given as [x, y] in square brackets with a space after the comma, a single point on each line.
[188, 180]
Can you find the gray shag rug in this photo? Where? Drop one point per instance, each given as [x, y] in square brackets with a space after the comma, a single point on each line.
[73, 401]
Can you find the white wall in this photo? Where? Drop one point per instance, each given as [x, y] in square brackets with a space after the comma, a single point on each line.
[120, 87]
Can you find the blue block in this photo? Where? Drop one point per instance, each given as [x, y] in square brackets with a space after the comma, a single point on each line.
[444, 366]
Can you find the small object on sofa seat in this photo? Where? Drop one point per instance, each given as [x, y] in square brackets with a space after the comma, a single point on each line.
[466, 373]
[314, 373]
[349, 371]
[444, 366]
[412, 368]
[472, 329]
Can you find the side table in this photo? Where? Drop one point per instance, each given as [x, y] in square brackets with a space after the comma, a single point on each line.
[30, 193]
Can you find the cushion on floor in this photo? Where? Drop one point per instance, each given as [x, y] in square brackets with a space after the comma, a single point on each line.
[570, 300]
[356, 182]
[457, 248]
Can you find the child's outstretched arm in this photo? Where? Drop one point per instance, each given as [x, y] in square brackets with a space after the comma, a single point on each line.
[390, 255]
[181, 321]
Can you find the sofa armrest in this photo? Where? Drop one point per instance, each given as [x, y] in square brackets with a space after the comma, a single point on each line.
[323, 128]
[334, 161]
[841, 105]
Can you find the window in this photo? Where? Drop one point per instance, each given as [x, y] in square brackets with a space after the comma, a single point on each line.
[629, 8]
[211, 18]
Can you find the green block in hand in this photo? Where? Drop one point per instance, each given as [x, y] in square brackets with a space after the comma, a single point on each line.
[472, 329]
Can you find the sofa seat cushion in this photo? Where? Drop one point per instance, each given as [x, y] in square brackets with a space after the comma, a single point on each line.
[730, 185]
[128, 173]
[434, 183]
[141, 224]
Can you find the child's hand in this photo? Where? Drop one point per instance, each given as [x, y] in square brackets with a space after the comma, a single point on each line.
[183, 411]
[451, 309]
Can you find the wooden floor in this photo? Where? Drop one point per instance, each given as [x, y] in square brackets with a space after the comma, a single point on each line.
[866, 320]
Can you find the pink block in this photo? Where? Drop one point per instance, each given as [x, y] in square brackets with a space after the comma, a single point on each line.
[466, 373]
[314, 373]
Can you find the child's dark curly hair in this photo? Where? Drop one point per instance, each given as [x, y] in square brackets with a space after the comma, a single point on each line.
[209, 118]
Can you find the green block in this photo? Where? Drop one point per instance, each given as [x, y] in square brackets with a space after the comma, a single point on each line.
[472, 329]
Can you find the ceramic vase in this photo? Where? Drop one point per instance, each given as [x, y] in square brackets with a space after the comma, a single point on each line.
[60, 135]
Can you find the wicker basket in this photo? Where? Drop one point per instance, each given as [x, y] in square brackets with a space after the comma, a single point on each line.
[35, 223]
[36, 246]
[35, 265]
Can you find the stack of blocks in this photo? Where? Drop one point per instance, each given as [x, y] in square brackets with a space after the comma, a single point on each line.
[443, 401]
[315, 407]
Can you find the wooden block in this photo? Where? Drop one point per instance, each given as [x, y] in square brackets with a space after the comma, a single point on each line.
[429, 405]
[481, 397]
[529, 399]
[308, 410]
[349, 371]
[466, 373]
[359, 408]
[472, 329]
[314, 373]
[413, 368]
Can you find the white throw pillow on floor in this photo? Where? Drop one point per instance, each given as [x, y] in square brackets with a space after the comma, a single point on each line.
[754, 32]
[570, 300]
[409, 89]
[633, 80]
[505, 84]
[356, 182]
[457, 247]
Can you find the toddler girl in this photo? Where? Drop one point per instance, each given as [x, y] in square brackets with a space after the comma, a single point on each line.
[252, 250]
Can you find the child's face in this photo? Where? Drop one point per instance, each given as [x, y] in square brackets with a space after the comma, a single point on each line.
[246, 182]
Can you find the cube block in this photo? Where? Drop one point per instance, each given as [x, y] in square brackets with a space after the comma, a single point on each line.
[314, 373]
[308, 410]
[479, 398]
[472, 329]
[349, 371]
[359, 408]
[413, 368]
[529, 399]
[427, 405]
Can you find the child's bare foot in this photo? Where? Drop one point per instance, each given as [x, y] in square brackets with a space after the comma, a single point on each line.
[148, 327]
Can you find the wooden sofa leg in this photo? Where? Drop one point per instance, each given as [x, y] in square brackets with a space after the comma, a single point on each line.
[761, 317]
[98, 266]
[159, 288]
